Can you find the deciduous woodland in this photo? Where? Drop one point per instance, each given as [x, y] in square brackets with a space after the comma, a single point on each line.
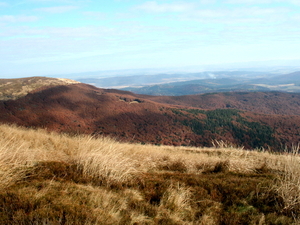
[252, 120]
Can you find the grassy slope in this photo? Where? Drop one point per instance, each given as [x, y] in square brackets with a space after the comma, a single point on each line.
[57, 179]
[16, 88]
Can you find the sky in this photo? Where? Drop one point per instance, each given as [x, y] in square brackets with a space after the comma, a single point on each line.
[45, 37]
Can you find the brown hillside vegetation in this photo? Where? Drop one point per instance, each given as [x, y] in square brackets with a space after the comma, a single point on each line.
[274, 103]
[50, 178]
[84, 109]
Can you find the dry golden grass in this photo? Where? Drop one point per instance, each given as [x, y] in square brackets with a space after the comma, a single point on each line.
[176, 203]
[101, 158]
[104, 158]
[199, 160]
[120, 161]
[52, 178]
[288, 183]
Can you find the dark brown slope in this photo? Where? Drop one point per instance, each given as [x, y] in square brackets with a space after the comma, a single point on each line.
[275, 103]
[81, 108]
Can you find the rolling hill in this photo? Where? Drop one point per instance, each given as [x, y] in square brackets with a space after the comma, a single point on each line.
[221, 83]
[252, 120]
[142, 79]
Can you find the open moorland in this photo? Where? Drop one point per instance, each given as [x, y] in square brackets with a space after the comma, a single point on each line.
[50, 178]
[76, 154]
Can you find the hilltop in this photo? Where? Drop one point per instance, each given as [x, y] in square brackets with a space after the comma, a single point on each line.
[252, 120]
[17, 88]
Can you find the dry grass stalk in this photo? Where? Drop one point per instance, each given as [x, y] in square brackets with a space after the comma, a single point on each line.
[288, 183]
[12, 169]
[177, 201]
[102, 158]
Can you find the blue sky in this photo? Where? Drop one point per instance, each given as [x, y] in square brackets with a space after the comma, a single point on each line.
[44, 37]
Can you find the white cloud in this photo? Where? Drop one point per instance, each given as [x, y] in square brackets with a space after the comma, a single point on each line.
[250, 15]
[153, 6]
[256, 11]
[58, 33]
[249, 1]
[94, 15]
[15, 19]
[2, 4]
[61, 1]
[255, 2]
[207, 13]
[295, 2]
[193, 32]
[207, 1]
[57, 9]
[222, 15]
[296, 17]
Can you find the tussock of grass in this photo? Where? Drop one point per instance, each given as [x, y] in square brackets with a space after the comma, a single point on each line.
[176, 202]
[104, 161]
[12, 168]
[102, 158]
[49, 178]
[288, 183]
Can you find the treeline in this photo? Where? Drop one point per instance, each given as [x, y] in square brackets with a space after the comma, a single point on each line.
[222, 121]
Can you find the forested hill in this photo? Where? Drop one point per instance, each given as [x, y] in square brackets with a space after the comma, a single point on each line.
[275, 103]
[251, 120]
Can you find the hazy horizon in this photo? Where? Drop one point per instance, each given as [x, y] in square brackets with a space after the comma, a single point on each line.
[52, 37]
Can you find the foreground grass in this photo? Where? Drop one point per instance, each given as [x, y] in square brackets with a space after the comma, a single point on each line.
[47, 178]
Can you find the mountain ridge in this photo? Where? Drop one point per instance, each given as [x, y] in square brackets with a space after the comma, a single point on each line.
[218, 82]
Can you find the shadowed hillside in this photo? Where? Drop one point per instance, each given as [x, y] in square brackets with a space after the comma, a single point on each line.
[252, 120]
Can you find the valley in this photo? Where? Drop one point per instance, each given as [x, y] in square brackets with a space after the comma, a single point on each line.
[224, 82]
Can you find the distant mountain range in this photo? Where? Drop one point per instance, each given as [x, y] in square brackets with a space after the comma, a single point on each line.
[171, 84]
[250, 119]
[221, 83]
[141, 80]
